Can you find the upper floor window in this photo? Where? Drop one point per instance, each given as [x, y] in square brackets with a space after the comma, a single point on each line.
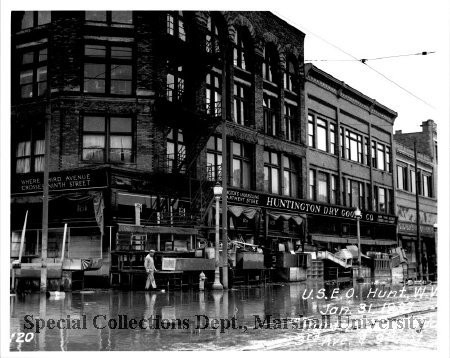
[355, 194]
[175, 24]
[383, 200]
[312, 185]
[354, 146]
[241, 103]
[241, 166]
[323, 183]
[427, 185]
[108, 69]
[269, 65]
[321, 133]
[35, 18]
[271, 126]
[175, 83]
[289, 121]
[30, 152]
[402, 176]
[214, 158]
[33, 73]
[290, 187]
[271, 172]
[107, 139]
[214, 94]
[381, 156]
[212, 36]
[290, 76]
[333, 189]
[110, 17]
[412, 180]
[176, 150]
[240, 50]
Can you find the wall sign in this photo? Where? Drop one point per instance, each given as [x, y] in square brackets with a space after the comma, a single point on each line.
[303, 206]
[63, 180]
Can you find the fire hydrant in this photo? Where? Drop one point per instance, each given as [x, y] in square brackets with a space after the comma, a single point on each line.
[202, 281]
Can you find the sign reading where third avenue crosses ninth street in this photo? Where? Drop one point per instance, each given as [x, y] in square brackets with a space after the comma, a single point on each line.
[63, 180]
[239, 197]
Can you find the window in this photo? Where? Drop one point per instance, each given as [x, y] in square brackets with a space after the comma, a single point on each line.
[334, 190]
[289, 120]
[214, 158]
[382, 200]
[311, 133]
[341, 134]
[108, 69]
[290, 187]
[412, 180]
[271, 172]
[30, 152]
[176, 150]
[381, 159]
[381, 156]
[290, 76]
[332, 138]
[269, 64]
[212, 37]
[312, 184]
[175, 25]
[35, 18]
[241, 106]
[366, 151]
[355, 194]
[322, 187]
[270, 117]
[242, 163]
[353, 146]
[322, 137]
[110, 17]
[402, 177]
[240, 59]
[214, 94]
[175, 83]
[33, 73]
[374, 154]
[427, 185]
[107, 139]
[388, 159]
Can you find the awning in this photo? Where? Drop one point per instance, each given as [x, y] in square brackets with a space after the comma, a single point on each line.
[248, 212]
[137, 229]
[285, 216]
[352, 240]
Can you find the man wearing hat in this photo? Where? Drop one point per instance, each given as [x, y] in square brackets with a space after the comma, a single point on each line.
[149, 265]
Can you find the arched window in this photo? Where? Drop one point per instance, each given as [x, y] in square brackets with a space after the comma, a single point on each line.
[290, 75]
[269, 66]
[212, 36]
[175, 24]
[241, 50]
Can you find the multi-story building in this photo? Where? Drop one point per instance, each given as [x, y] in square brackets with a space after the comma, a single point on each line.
[349, 165]
[408, 182]
[136, 102]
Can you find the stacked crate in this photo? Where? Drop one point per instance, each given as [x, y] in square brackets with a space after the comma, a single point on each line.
[315, 270]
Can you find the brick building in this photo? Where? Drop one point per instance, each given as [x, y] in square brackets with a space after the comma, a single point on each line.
[349, 165]
[406, 176]
[135, 102]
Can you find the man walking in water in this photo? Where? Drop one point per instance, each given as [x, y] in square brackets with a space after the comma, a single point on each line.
[149, 265]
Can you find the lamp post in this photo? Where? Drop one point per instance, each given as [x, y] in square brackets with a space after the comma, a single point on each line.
[358, 217]
[217, 194]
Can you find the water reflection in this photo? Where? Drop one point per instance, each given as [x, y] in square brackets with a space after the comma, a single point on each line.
[110, 314]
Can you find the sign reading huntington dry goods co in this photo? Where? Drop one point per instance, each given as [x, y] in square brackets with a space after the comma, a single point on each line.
[64, 180]
[302, 206]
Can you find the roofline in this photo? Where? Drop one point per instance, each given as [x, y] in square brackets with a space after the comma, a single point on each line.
[300, 32]
[309, 67]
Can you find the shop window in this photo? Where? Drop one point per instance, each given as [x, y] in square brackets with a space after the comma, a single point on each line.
[427, 185]
[30, 152]
[241, 104]
[312, 185]
[108, 69]
[271, 172]
[32, 19]
[290, 76]
[214, 94]
[241, 170]
[33, 73]
[290, 177]
[241, 50]
[110, 17]
[289, 121]
[107, 139]
[322, 187]
[175, 25]
[402, 177]
[271, 126]
[214, 158]
[176, 150]
[269, 65]
[175, 83]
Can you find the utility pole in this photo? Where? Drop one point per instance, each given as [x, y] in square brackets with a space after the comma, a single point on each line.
[43, 285]
[419, 242]
[224, 207]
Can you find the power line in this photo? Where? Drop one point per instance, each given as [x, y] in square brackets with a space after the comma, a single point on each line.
[364, 60]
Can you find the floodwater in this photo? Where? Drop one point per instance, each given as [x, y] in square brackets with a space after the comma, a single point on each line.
[295, 316]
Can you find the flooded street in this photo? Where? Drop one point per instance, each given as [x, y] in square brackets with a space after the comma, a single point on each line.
[296, 316]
